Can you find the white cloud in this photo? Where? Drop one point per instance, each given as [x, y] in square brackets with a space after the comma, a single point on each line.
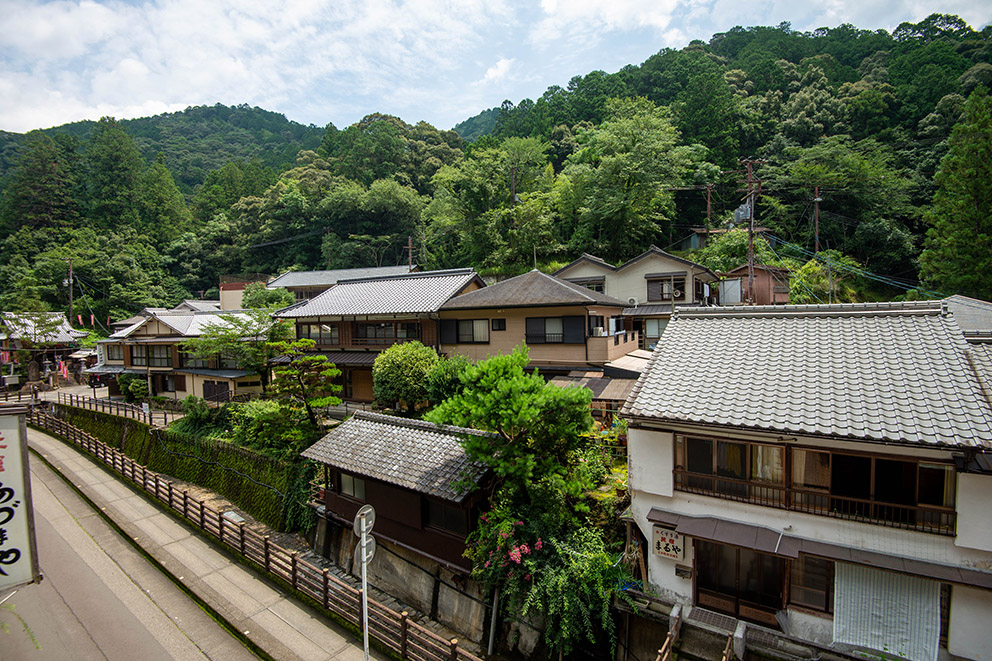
[498, 71]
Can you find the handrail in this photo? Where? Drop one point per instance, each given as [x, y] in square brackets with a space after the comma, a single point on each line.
[668, 647]
[394, 630]
[111, 406]
[934, 520]
[728, 650]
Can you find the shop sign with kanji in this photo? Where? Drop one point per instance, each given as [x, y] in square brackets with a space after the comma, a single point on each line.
[668, 543]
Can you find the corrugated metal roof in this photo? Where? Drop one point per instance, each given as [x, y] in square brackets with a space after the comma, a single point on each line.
[414, 454]
[891, 372]
[531, 289]
[409, 294]
[332, 277]
[349, 358]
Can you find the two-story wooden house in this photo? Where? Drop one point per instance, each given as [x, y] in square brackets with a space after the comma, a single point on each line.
[566, 326]
[151, 347]
[652, 285]
[825, 471]
[356, 319]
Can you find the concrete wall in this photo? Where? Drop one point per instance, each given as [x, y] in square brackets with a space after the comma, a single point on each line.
[449, 597]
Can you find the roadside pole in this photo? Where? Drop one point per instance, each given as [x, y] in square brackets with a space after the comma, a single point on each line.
[364, 520]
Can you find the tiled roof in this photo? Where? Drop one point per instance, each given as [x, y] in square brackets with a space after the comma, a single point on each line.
[971, 314]
[532, 289]
[198, 305]
[414, 454]
[185, 323]
[332, 277]
[410, 293]
[886, 372]
[24, 325]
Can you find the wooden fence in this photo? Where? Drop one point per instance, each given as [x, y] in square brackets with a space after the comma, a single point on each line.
[113, 407]
[393, 630]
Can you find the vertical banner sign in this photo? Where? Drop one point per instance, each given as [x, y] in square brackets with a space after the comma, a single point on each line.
[18, 553]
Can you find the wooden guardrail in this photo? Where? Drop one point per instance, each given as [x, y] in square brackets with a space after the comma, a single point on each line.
[111, 406]
[728, 649]
[394, 630]
[668, 648]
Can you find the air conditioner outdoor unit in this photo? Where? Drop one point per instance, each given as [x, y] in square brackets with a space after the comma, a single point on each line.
[632, 301]
[598, 331]
[676, 294]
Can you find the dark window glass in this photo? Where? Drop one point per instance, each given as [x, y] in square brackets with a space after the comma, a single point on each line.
[699, 457]
[812, 583]
[895, 481]
[446, 516]
[499, 324]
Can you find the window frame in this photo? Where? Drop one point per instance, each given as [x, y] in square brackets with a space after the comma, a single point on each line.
[473, 334]
[792, 491]
[351, 486]
[112, 349]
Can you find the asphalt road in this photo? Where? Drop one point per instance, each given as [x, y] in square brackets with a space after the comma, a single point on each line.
[100, 598]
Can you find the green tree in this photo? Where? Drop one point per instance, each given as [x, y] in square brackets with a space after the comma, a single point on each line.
[40, 192]
[399, 374]
[958, 254]
[114, 170]
[730, 250]
[533, 544]
[249, 337]
[163, 211]
[309, 381]
[626, 170]
[257, 295]
[538, 426]
[444, 379]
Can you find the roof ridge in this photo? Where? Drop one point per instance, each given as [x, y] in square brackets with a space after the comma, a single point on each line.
[818, 309]
[412, 274]
[413, 423]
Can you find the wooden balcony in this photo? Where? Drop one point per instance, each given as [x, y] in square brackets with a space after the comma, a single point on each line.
[933, 520]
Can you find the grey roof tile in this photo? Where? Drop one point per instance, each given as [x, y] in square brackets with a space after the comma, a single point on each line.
[411, 293]
[414, 454]
[889, 372]
[23, 325]
[332, 277]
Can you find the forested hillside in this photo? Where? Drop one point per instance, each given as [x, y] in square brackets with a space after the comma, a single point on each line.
[198, 140]
[886, 135]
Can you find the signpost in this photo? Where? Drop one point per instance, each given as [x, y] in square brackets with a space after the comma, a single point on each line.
[668, 543]
[18, 550]
[364, 520]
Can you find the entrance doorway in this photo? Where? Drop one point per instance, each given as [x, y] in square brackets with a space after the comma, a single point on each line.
[739, 581]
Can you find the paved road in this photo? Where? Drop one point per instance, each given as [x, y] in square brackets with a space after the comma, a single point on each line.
[100, 598]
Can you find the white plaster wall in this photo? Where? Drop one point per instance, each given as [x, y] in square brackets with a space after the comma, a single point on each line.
[630, 282]
[970, 635]
[652, 470]
[973, 498]
[818, 628]
[651, 459]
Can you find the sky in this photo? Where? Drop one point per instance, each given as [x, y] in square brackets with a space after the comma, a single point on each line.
[321, 61]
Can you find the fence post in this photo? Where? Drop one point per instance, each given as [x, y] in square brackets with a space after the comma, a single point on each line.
[265, 545]
[327, 585]
[454, 649]
[403, 632]
[202, 527]
[220, 526]
[186, 503]
[293, 575]
[242, 533]
[170, 495]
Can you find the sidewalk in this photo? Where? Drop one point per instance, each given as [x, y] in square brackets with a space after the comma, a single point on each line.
[279, 626]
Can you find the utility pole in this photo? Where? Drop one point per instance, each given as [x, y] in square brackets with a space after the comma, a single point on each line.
[71, 315]
[709, 206]
[753, 190]
[816, 219]
[409, 251]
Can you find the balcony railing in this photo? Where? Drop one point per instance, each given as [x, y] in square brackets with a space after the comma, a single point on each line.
[381, 341]
[934, 520]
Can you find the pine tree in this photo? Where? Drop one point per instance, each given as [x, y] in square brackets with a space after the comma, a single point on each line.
[958, 254]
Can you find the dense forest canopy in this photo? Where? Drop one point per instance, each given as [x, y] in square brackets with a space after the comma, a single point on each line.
[852, 127]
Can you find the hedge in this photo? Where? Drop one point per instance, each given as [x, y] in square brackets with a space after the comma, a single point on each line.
[268, 489]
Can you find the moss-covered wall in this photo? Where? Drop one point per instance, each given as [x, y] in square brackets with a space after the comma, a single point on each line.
[266, 488]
